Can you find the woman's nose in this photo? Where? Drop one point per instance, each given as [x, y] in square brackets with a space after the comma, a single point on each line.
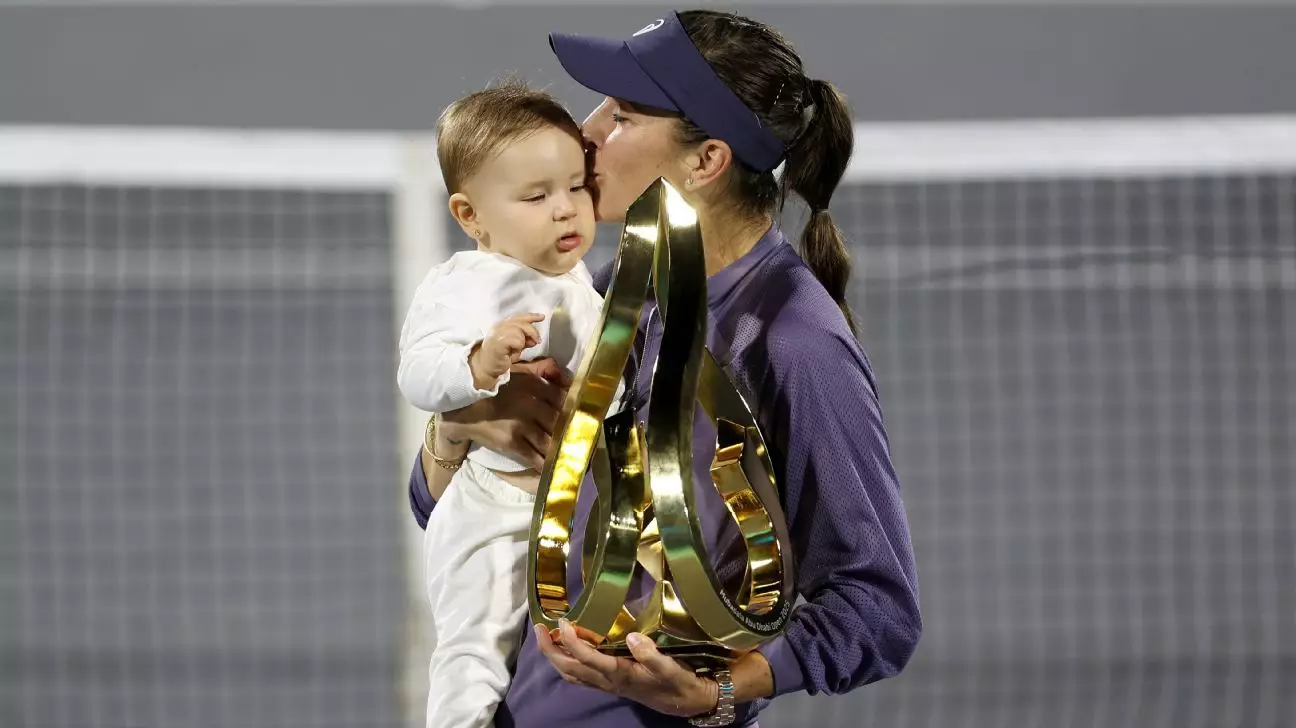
[595, 129]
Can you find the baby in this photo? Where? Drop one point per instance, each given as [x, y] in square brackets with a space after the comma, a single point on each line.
[514, 165]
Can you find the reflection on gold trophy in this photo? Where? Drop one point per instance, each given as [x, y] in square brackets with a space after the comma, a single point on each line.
[645, 516]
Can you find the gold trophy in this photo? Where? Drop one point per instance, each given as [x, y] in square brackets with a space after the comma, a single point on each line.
[645, 515]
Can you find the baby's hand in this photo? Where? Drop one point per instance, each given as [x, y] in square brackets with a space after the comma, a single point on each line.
[503, 348]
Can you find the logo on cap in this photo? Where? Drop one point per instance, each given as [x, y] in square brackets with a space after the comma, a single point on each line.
[654, 25]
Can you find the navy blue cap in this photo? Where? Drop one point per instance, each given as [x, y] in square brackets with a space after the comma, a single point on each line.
[660, 67]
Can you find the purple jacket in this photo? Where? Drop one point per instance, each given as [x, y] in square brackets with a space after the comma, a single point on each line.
[812, 390]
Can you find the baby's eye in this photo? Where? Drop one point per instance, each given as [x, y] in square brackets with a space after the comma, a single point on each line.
[578, 188]
[533, 198]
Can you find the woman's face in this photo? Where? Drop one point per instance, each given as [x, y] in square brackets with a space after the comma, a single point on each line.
[631, 150]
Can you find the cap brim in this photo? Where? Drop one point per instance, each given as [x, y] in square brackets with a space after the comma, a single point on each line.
[606, 66]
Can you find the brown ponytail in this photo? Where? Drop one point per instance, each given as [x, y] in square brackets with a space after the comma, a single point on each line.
[815, 165]
[811, 116]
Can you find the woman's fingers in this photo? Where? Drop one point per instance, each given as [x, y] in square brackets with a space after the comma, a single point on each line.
[532, 444]
[647, 654]
[546, 405]
[528, 407]
[584, 652]
[571, 669]
[541, 390]
[546, 369]
[529, 397]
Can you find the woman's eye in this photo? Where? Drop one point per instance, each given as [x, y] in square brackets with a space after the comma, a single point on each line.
[617, 117]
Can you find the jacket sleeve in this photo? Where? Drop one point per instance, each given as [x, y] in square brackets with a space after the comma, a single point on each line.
[421, 503]
[854, 556]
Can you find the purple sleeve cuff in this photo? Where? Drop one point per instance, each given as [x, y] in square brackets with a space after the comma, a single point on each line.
[602, 278]
[786, 668]
[421, 503]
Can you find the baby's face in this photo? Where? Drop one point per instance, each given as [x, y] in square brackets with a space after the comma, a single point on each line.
[533, 204]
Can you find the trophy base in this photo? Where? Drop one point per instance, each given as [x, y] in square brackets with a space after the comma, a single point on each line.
[664, 620]
[701, 657]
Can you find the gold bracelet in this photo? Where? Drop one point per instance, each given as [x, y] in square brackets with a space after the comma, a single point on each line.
[429, 441]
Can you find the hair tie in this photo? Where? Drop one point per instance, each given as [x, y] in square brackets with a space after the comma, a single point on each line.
[808, 114]
[809, 107]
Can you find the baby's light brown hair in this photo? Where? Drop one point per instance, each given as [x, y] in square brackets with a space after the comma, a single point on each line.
[475, 128]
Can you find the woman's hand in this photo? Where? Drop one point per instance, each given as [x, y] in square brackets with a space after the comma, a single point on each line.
[519, 419]
[651, 678]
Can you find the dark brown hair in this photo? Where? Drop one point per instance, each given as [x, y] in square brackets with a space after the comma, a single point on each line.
[475, 128]
[810, 116]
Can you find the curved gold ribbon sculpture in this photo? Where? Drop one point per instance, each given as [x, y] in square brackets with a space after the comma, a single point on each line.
[646, 514]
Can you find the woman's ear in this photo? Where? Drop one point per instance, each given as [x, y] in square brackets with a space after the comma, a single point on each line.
[462, 210]
[707, 163]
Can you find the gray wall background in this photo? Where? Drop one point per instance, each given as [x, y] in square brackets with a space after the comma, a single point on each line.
[1089, 384]
[395, 67]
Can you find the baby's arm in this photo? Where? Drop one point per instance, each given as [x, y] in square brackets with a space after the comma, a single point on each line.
[445, 321]
[449, 358]
[435, 345]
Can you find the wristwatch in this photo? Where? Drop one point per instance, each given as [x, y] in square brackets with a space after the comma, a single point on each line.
[723, 714]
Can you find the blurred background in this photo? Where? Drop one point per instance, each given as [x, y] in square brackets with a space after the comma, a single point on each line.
[1074, 229]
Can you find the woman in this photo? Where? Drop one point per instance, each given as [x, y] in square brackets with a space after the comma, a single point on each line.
[714, 102]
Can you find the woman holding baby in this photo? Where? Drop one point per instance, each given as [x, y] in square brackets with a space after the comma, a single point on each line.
[715, 102]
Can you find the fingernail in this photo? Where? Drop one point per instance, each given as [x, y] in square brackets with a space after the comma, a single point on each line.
[563, 623]
[634, 639]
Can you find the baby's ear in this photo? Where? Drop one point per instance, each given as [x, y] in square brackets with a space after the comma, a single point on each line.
[462, 210]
